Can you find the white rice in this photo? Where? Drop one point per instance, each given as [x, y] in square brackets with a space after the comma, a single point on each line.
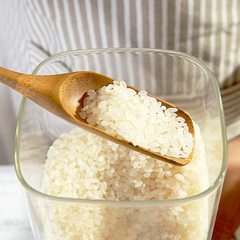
[138, 118]
[82, 165]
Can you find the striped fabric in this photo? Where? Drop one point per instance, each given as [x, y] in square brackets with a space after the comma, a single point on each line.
[31, 30]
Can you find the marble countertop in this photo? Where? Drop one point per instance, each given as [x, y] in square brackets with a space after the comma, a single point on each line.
[14, 223]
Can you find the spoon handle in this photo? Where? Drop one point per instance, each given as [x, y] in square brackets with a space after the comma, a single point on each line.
[41, 89]
[9, 77]
[29, 85]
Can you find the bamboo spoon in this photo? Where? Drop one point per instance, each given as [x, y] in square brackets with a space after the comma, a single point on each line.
[63, 96]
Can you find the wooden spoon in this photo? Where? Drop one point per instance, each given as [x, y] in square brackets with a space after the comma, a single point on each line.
[63, 95]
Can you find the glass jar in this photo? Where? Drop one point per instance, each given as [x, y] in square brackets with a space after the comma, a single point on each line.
[174, 76]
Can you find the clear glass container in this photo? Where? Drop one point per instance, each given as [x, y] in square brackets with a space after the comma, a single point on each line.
[174, 76]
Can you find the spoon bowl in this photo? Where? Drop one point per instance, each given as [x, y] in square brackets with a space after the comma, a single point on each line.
[63, 95]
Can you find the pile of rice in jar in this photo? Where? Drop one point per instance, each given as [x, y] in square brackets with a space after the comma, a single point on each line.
[82, 165]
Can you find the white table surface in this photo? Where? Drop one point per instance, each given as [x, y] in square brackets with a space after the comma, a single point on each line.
[14, 223]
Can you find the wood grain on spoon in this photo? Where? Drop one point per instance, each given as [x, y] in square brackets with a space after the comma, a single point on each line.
[63, 95]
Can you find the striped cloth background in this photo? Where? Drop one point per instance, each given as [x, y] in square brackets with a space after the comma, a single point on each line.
[32, 30]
